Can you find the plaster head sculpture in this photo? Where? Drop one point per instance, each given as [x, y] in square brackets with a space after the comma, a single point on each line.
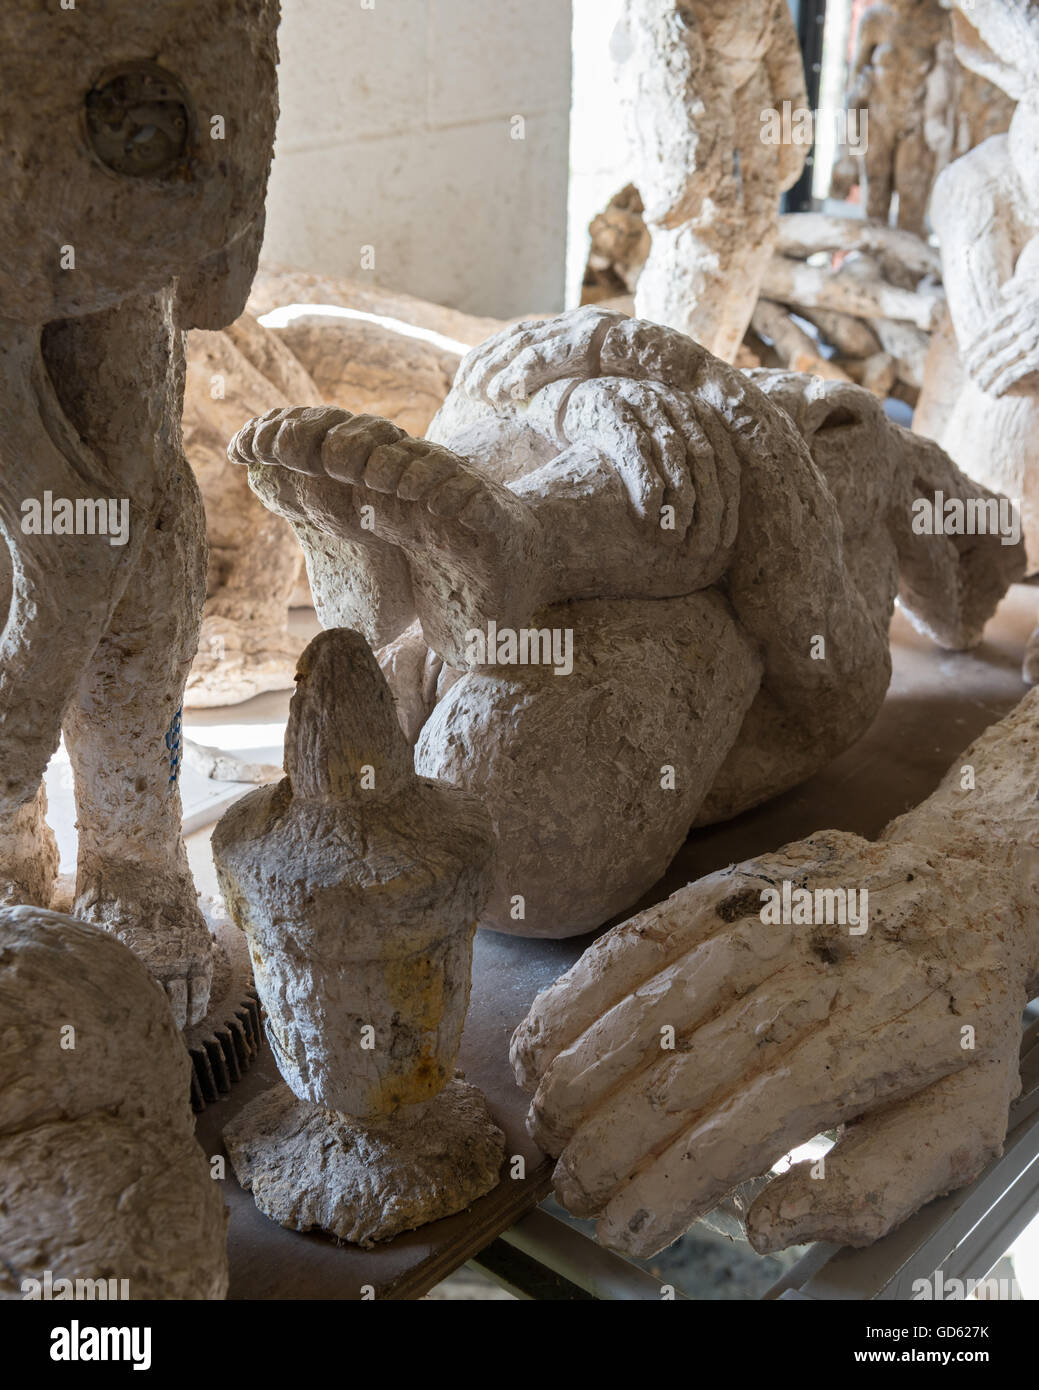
[649, 595]
[695, 79]
[986, 212]
[359, 884]
[694, 1045]
[101, 1177]
[133, 209]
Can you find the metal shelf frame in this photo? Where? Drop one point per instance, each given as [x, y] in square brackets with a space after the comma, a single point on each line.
[963, 1235]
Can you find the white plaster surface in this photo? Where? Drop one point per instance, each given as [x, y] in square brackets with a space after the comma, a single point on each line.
[396, 133]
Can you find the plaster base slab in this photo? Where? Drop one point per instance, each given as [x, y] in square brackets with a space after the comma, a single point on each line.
[365, 1181]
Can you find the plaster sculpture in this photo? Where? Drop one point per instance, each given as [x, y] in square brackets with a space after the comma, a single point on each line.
[896, 75]
[873, 308]
[694, 1045]
[980, 108]
[100, 1174]
[963, 109]
[986, 212]
[126, 220]
[915, 106]
[669, 545]
[618, 247]
[694, 78]
[358, 884]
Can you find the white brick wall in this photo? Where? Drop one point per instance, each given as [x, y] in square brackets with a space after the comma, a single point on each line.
[396, 133]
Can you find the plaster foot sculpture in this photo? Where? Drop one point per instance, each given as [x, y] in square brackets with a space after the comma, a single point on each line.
[986, 212]
[103, 570]
[321, 340]
[695, 77]
[359, 884]
[693, 1046]
[648, 509]
[102, 1182]
[411, 524]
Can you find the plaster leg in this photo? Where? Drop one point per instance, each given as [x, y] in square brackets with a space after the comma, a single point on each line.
[60, 591]
[123, 734]
[353, 481]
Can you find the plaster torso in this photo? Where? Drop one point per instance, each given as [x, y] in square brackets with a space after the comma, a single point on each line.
[994, 438]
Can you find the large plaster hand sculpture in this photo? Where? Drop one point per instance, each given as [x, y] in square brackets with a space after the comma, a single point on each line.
[695, 77]
[986, 212]
[359, 885]
[101, 1177]
[126, 220]
[319, 340]
[649, 509]
[691, 1047]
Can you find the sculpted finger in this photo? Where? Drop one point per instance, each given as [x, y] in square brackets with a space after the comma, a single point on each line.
[615, 964]
[834, 1076]
[997, 359]
[482, 362]
[1002, 331]
[654, 1106]
[532, 368]
[639, 347]
[669, 446]
[1016, 373]
[891, 1162]
[628, 1036]
[517, 362]
[621, 437]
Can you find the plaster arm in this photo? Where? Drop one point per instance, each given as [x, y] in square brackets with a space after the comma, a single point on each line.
[995, 313]
[872, 32]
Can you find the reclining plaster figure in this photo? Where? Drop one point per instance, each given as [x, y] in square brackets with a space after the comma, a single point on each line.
[725, 569]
